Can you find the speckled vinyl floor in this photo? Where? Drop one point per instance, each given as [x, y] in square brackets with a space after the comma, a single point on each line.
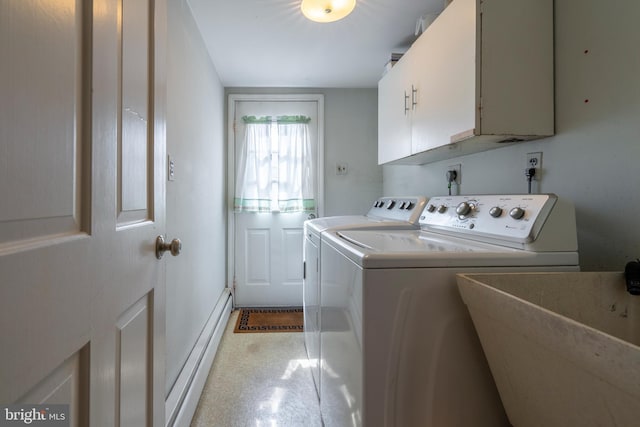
[258, 380]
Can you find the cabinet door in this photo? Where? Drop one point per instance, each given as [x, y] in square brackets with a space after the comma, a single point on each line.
[394, 113]
[517, 71]
[444, 74]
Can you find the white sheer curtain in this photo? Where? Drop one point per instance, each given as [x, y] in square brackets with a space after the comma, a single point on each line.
[276, 166]
[295, 168]
[253, 181]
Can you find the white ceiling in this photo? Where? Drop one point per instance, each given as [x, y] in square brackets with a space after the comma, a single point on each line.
[269, 43]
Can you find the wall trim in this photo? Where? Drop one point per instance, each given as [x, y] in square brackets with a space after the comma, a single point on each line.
[182, 401]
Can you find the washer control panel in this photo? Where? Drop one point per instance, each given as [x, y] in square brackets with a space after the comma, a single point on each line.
[398, 208]
[508, 217]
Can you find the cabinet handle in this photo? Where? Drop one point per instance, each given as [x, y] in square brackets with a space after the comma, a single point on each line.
[414, 97]
[406, 99]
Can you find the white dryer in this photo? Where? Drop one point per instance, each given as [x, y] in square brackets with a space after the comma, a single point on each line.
[386, 213]
[398, 347]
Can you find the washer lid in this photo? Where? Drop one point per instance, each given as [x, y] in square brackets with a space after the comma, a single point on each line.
[420, 249]
[353, 222]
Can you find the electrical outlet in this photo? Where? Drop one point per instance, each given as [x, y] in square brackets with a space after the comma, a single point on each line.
[342, 168]
[534, 160]
[458, 169]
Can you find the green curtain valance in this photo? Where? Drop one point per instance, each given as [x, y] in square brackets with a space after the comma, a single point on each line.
[279, 119]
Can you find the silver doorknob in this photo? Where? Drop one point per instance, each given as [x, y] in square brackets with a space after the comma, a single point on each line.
[161, 247]
[311, 216]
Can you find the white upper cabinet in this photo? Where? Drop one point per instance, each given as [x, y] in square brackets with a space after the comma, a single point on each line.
[394, 104]
[481, 75]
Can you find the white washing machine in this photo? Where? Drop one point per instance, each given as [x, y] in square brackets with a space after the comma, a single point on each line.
[388, 213]
[398, 347]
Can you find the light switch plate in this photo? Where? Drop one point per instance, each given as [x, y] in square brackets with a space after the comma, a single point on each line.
[171, 169]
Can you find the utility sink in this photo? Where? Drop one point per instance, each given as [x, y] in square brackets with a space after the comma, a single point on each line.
[564, 348]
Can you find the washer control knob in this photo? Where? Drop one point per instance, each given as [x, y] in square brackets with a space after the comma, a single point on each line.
[516, 213]
[442, 208]
[409, 206]
[463, 209]
[431, 208]
[391, 204]
[495, 211]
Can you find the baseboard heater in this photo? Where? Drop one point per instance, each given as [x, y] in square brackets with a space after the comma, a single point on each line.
[182, 401]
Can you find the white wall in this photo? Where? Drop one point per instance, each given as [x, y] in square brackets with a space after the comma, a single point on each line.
[350, 136]
[594, 159]
[196, 199]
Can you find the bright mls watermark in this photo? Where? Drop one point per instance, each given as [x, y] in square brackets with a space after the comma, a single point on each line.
[34, 415]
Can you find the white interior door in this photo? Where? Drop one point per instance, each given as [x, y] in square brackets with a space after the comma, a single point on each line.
[268, 246]
[82, 200]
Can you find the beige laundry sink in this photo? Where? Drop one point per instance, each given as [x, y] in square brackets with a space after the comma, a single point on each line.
[564, 348]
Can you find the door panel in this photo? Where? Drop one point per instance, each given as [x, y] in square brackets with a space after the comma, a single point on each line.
[292, 242]
[67, 385]
[49, 38]
[82, 298]
[134, 114]
[256, 248]
[133, 370]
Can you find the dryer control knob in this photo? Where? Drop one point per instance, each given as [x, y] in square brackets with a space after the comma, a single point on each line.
[442, 208]
[463, 209]
[431, 208]
[516, 213]
[495, 211]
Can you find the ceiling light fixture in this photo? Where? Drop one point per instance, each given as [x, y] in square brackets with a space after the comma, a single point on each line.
[327, 10]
